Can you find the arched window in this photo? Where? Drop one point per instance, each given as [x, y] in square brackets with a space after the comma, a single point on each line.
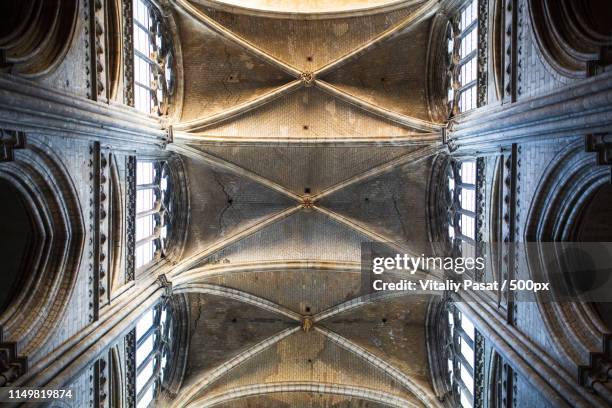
[461, 357]
[461, 179]
[463, 54]
[153, 60]
[153, 346]
[153, 211]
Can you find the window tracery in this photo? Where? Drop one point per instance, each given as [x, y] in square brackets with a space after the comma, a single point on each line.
[462, 357]
[153, 60]
[462, 225]
[154, 339]
[463, 50]
[153, 211]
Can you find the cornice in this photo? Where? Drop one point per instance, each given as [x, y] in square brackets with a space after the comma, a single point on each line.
[583, 108]
[31, 107]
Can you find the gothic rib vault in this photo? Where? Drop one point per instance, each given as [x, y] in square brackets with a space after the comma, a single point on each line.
[277, 127]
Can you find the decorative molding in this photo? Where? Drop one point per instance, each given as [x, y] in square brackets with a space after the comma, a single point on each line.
[510, 18]
[509, 385]
[93, 232]
[520, 38]
[164, 283]
[179, 347]
[566, 187]
[99, 266]
[130, 369]
[480, 199]
[178, 77]
[439, 203]
[165, 61]
[572, 36]
[96, 47]
[353, 393]
[529, 359]
[508, 222]
[113, 10]
[581, 108]
[117, 209]
[116, 375]
[128, 52]
[437, 69]
[51, 200]
[63, 365]
[100, 377]
[517, 233]
[103, 209]
[130, 222]
[31, 106]
[88, 46]
[177, 236]
[39, 34]
[438, 344]
[9, 141]
[11, 364]
[453, 70]
[496, 47]
[600, 143]
[234, 294]
[483, 52]
[598, 377]
[479, 372]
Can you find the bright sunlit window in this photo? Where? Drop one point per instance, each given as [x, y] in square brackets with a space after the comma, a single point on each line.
[153, 340]
[463, 51]
[153, 211]
[462, 357]
[461, 180]
[152, 60]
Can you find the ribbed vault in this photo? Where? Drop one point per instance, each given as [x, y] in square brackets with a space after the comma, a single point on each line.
[303, 135]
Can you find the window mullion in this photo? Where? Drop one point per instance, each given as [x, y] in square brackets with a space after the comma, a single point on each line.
[467, 239]
[464, 387]
[466, 186]
[146, 58]
[467, 30]
[147, 239]
[464, 336]
[142, 26]
[158, 314]
[147, 87]
[146, 213]
[147, 359]
[466, 364]
[467, 58]
[152, 186]
[145, 336]
[467, 86]
[463, 211]
[150, 381]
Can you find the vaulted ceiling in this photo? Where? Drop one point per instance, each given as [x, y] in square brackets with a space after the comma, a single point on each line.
[305, 131]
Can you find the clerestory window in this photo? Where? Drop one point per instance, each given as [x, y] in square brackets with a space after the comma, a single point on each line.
[153, 211]
[461, 182]
[463, 54]
[461, 357]
[153, 60]
[153, 344]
